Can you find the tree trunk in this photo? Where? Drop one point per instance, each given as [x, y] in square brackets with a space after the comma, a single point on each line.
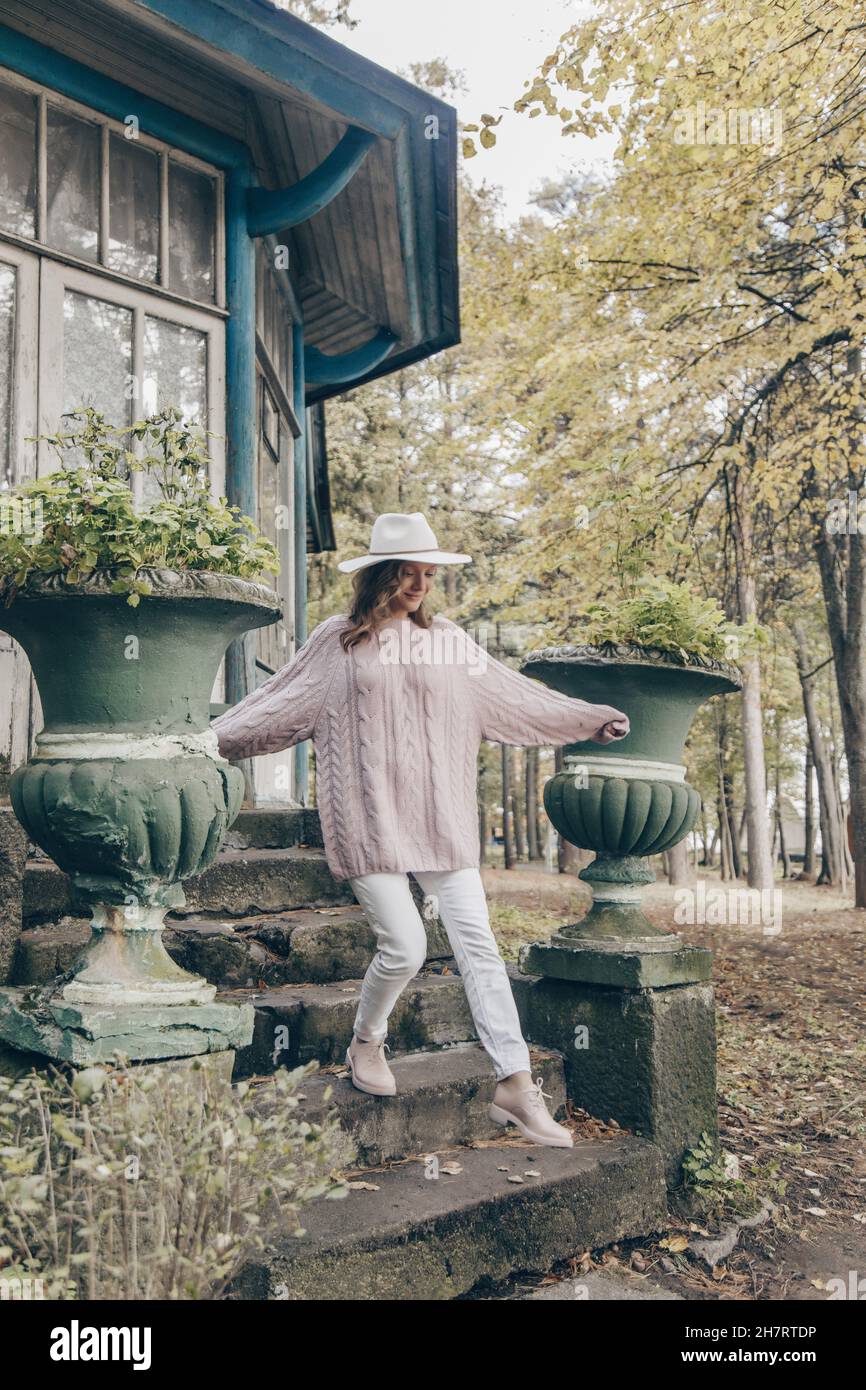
[533, 840]
[679, 869]
[777, 800]
[710, 859]
[842, 564]
[735, 830]
[519, 842]
[726, 861]
[809, 826]
[832, 870]
[704, 834]
[506, 806]
[824, 875]
[780, 832]
[842, 830]
[757, 820]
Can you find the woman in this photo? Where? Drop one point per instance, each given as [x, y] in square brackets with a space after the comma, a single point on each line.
[397, 703]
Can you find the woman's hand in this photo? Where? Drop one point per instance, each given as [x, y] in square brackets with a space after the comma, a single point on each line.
[613, 730]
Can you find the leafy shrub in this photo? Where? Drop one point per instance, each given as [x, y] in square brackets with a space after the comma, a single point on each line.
[708, 1192]
[87, 520]
[131, 1183]
[672, 617]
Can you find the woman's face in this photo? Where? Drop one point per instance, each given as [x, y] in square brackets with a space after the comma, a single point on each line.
[416, 581]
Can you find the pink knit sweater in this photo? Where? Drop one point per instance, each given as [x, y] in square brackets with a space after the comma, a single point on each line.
[396, 723]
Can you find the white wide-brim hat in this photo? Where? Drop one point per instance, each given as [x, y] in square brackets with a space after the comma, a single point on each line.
[400, 536]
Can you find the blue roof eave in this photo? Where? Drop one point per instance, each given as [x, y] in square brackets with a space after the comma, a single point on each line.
[266, 40]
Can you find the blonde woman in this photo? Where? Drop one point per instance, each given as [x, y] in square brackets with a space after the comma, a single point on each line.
[396, 702]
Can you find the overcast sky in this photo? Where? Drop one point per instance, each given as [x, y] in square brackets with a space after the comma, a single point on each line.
[497, 44]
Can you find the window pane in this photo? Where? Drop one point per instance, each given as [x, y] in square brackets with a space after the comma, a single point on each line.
[7, 369]
[274, 309]
[273, 318]
[283, 366]
[175, 369]
[133, 242]
[175, 374]
[268, 494]
[270, 420]
[18, 163]
[73, 184]
[97, 358]
[192, 219]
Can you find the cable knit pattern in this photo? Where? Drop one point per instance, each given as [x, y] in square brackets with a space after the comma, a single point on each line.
[335, 753]
[397, 740]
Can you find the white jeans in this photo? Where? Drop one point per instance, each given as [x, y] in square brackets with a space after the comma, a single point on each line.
[402, 949]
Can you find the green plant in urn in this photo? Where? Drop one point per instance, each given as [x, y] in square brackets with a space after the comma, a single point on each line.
[657, 656]
[124, 613]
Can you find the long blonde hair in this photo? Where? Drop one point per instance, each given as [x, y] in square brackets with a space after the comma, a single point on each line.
[372, 587]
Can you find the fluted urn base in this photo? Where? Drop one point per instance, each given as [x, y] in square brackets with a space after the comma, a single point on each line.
[126, 963]
[616, 944]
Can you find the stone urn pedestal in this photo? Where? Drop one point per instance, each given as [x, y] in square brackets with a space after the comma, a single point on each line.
[629, 1002]
[129, 796]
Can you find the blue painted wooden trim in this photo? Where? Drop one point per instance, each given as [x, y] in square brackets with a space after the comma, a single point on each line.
[273, 210]
[321, 369]
[295, 53]
[300, 532]
[242, 430]
[91, 88]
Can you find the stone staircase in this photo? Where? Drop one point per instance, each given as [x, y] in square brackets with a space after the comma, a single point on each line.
[268, 923]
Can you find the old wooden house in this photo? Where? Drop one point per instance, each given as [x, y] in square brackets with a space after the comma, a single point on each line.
[211, 204]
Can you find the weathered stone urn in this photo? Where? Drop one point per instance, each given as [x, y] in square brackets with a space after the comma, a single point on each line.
[626, 800]
[629, 1004]
[129, 796]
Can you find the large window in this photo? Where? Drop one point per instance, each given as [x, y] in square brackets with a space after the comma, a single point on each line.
[104, 193]
[119, 349]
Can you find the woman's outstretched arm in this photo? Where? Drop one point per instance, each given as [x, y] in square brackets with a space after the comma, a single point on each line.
[513, 708]
[284, 710]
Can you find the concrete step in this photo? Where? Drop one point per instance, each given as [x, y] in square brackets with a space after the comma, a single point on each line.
[443, 1097]
[239, 883]
[262, 827]
[308, 945]
[427, 1238]
[305, 946]
[295, 1024]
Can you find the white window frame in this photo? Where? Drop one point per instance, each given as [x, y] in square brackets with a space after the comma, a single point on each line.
[26, 349]
[46, 95]
[56, 278]
[15, 683]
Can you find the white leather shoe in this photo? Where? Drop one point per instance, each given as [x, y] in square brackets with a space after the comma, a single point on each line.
[370, 1071]
[527, 1110]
